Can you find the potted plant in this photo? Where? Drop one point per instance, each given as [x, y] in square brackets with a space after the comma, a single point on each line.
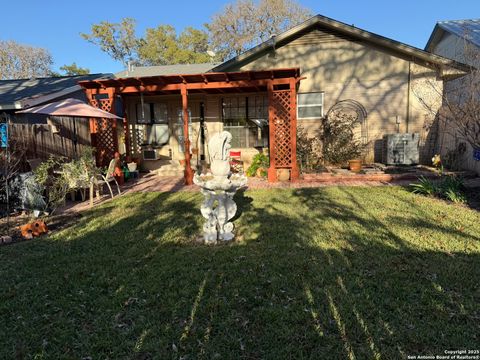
[259, 166]
[355, 165]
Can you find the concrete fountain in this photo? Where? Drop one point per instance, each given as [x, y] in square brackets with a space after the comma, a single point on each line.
[218, 187]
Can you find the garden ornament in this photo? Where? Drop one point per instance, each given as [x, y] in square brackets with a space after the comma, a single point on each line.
[32, 229]
[218, 187]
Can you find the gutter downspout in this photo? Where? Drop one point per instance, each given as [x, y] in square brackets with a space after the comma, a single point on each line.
[408, 96]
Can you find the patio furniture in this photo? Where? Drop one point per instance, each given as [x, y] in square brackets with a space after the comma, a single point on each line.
[106, 179]
[236, 163]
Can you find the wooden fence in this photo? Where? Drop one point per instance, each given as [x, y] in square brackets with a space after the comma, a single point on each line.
[56, 138]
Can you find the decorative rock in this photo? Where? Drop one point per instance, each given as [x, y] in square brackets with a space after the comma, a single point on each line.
[218, 188]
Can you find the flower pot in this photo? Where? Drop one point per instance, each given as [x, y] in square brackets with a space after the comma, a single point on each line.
[132, 166]
[283, 174]
[355, 165]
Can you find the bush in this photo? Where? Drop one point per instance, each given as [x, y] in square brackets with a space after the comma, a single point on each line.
[60, 177]
[425, 187]
[308, 150]
[259, 161]
[338, 138]
[449, 187]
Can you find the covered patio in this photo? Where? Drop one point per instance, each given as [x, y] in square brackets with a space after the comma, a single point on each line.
[280, 85]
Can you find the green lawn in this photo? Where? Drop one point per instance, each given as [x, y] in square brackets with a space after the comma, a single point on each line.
[329, 273]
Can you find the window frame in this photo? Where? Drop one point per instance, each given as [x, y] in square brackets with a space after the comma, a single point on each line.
[322, 93]
[245, 107]
[152, 118]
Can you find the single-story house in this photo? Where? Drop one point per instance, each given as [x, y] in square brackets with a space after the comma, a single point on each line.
[262, 95]
[42, 135]
[458, 40]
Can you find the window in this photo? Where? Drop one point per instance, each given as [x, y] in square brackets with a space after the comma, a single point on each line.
[143, 113]
[310, 105]
[154, 123]
[246, 118]
[152, 113]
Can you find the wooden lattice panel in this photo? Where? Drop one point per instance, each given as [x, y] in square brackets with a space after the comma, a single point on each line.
[104, 133]
[282, 129]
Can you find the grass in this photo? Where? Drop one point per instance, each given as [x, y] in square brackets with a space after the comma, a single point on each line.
[337, 272]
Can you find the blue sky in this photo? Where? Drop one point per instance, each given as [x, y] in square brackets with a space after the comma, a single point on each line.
[56, 25]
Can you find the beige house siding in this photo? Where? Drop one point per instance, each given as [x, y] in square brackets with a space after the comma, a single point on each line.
[454, 47]
[346, 69]
[343, 68]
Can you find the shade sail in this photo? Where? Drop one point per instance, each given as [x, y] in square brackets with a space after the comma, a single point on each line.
[69, 107]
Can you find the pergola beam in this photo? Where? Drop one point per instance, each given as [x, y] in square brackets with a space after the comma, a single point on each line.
[130, 89]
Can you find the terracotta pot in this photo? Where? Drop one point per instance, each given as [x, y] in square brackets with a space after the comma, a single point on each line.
[119, 175]
[283, 174]
[355, 165]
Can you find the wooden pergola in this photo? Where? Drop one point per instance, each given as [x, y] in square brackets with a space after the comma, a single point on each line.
[280, 85]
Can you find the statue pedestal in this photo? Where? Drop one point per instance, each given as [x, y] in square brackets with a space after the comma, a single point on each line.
[218, 188]
[218, 209]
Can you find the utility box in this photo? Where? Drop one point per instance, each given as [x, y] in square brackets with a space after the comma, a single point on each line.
[401, 149]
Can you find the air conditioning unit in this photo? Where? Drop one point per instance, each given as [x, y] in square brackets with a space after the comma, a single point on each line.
[150, 154]
[401, 149]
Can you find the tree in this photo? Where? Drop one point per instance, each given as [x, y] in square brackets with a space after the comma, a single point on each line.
[116, 39]
[73, 69]
[244, 24]
[162, 46]
[19, 61]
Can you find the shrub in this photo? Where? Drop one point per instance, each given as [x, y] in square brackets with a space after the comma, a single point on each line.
[455, 196]
[449, 187]
[338, 138]
[60, 177]
[259, 161]
[425, 187]
[308, 149]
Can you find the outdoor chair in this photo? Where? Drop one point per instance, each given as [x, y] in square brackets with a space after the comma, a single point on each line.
[236, 163]
[105, 179]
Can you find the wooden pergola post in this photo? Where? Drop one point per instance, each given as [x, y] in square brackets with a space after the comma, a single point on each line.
[188, 168]
[294, 172]
[272, 170]
[126, 129]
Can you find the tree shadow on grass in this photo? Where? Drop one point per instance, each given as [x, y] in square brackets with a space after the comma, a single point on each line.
[318, 273]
